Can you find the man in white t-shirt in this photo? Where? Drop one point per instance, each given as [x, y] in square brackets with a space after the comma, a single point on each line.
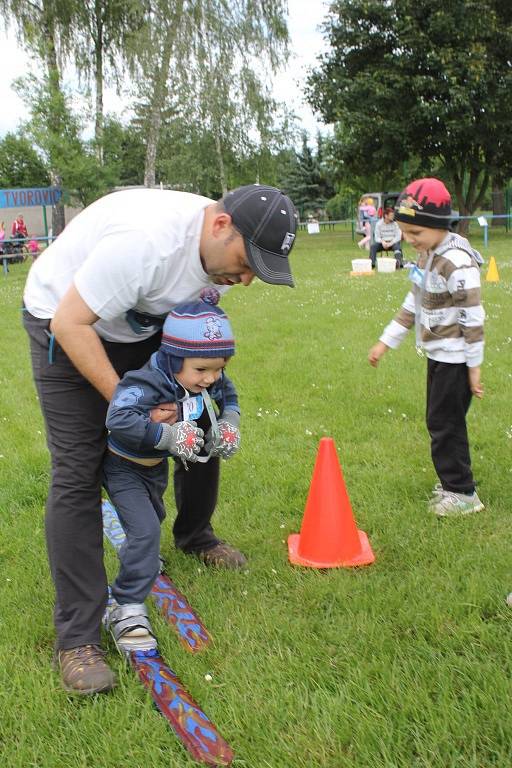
[95, 302]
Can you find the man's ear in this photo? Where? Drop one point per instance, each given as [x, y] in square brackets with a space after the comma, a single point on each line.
[221, 224]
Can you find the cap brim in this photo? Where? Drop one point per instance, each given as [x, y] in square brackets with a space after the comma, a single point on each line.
[269, 267]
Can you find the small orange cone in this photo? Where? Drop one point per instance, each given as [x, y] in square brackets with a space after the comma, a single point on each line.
[328, 537]
[492, 275]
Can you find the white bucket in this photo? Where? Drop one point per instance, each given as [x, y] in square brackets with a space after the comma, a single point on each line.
[385, 264]
[361, 265]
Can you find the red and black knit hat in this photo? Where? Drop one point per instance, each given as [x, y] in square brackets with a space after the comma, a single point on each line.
[426, 203]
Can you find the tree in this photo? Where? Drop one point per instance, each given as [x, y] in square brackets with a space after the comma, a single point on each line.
[159, 39]
[424, 80]
[79, 170]
[45, 28]
[20, 164]
[209, 62]
[306, 179]
[237, 48]
[123, 152]
[103, 30]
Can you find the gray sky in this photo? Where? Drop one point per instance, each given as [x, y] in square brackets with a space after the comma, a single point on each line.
[306, 43]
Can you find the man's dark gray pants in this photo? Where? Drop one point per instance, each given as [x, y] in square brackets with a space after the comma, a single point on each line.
[74, 414]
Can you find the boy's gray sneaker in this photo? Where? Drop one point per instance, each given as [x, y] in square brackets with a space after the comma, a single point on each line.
[130, 627]
[451, 504]
[437, 491]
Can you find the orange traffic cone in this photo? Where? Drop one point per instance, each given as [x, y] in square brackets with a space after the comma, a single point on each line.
[492, 275]
[328, 537]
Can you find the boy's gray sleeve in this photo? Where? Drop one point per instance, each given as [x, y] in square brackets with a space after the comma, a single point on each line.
[394, 333]
[128, 416]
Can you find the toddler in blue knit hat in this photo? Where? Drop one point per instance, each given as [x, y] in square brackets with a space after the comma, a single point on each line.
[188, 369]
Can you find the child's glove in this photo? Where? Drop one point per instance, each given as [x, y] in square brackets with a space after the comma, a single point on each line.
[183, 439]
[228, 443]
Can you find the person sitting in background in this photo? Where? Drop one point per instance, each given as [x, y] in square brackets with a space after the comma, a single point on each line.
[19, 228]
[387, 238]
[2, 236]
[367, 212]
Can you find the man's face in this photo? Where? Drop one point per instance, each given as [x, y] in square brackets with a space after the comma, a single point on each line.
[200, 373]
[226, 260]
[422, 238]
[389, 216]
[222, 250]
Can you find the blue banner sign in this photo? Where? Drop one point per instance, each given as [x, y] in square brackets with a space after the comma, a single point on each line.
[26, 198]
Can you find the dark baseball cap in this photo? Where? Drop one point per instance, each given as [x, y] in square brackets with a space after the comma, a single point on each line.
[267, 220]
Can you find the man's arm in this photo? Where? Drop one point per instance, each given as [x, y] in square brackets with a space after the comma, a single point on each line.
[72, 326]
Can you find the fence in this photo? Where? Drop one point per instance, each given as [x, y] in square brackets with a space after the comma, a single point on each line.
[483, 221]
[17, 249]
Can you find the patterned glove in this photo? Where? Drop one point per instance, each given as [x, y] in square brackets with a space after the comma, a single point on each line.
[183, 439]
[228, 443]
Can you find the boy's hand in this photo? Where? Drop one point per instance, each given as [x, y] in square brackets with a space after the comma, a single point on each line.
[183, 439]
[165, 413]
[376, 352]
[475, 384]
[229, 441]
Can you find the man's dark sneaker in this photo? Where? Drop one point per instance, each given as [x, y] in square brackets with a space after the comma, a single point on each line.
[222, 555]
[84, 670]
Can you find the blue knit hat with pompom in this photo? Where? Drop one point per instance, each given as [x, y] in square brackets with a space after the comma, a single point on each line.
[198, 329]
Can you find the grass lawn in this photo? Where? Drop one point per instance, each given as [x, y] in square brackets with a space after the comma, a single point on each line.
[404, 663]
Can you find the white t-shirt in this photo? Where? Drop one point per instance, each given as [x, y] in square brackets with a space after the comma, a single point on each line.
[131, 250]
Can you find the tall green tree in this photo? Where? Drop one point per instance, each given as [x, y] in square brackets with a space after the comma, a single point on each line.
[124, 152]
[45, 28]
[103, 30]
[20, 164]
[237, 49]
[160, 42]
[420, 79]
[80, 173]
[307, 178]
[211, 63]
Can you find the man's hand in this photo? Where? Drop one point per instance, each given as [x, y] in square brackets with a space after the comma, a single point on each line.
[376, 352]
[183, 440]
[475, 384]
[386, 244]
[228, 443]
[165, 413]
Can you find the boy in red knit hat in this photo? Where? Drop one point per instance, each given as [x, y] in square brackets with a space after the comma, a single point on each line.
[444, 305]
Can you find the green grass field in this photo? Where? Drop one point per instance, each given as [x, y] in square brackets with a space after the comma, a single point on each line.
[406, 663]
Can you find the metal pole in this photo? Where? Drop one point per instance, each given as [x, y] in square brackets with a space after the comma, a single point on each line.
[45, 222]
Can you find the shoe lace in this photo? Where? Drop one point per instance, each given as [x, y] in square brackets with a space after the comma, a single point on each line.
[88, 655]
[450, 498]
